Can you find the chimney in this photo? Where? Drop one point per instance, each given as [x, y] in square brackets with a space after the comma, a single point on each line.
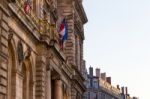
[108, 79]
[98, 72]
[103, 76]
[126, 90]
[118, 87]
[122, 89]
[91, 71]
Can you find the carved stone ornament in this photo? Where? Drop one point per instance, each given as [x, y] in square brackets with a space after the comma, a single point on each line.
[27, 53]
[65, 87]
[20, 52]
[66, 61]
[10, 35]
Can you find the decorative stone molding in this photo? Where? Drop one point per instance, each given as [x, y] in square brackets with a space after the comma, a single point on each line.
[4, 10]
[48, 61]
[66, 61]
[56, 77]
[80, 9]
[27, 53]
[10, 35]
[54, 46]
[20, 52]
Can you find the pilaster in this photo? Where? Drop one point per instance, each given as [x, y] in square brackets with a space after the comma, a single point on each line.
[3, 54]
[48, 84]
[82, 65]
[65, 8]
[40, 77]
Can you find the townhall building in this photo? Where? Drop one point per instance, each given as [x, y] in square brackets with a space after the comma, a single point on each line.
[32, 63]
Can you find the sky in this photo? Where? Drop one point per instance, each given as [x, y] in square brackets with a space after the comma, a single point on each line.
[117, 40]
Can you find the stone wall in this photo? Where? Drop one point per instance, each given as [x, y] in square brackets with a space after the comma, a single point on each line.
[3, 52]
[31, 62]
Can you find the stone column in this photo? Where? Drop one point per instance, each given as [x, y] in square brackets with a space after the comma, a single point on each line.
[48, 85]
[58, 89]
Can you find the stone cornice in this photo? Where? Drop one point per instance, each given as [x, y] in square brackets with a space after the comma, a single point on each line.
[80, 19]
[78, 78]
[78, 82]
[81, 11]
[5, 11]
[78, 72]
[79, 30]
[56, 48]
[67, 70]
[31, 27]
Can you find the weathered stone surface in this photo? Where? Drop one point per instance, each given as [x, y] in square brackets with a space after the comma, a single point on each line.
[4, 50]
[27, 77]
[3, 66]
[4, 25]
[3, 81]
[2, 89]
[4, 41]
[2, 96]
[4, 34]
[3, 73]
[5, 17]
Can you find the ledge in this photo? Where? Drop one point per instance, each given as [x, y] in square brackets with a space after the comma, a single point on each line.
[82, 12]
[4, 9]
[24, 19]
[56, 48]
[77, 77]
[77, 81]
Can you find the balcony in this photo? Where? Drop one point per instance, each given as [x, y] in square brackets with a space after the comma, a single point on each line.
[39, 27]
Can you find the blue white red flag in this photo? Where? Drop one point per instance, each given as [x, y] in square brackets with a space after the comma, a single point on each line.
[63, 32]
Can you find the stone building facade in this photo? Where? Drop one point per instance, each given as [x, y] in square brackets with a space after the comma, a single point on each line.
[125, 94]
[99, 86]
[32, 65]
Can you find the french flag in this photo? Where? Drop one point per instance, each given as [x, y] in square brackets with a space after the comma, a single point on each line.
[63, 32]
